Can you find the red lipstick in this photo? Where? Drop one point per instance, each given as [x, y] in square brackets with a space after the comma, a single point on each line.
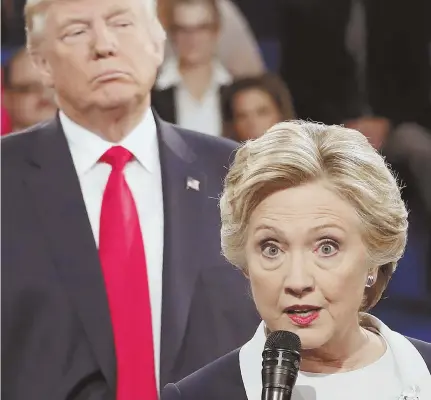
[302, 314]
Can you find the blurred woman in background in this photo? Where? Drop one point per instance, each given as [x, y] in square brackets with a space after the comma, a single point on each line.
[237, 47]
[252, 105]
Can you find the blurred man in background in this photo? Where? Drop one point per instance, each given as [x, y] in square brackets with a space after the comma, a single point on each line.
[25, 98]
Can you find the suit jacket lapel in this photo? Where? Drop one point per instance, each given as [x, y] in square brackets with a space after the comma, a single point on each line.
[164, 103]
[54, 186]
[184, 195]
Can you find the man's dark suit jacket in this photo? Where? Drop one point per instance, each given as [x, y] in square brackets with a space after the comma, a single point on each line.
[57, 340]
[222, 380]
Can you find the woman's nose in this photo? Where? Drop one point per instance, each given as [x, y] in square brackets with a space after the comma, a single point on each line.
[298, 279]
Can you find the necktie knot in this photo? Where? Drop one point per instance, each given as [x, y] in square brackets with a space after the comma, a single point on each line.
[117, 157]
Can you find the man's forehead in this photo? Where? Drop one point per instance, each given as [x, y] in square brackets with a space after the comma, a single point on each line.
[64, 10]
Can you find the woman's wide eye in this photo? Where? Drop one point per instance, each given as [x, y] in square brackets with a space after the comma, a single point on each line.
[270, 250]
[327, 248]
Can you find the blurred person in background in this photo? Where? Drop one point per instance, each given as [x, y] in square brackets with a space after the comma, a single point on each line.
[344, 59]
[252, 105]
[25, 98]
[407, 147]
[237, 48]
[12, 23]
[113, 282]
[188, 88]
[5, 119]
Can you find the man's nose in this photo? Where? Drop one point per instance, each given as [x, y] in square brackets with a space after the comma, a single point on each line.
[105, 42]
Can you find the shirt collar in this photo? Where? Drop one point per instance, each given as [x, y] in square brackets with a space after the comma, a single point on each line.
[86, 147]
[412, 372]
[170, 76]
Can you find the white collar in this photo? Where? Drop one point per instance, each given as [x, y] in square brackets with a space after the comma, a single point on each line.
[86, 147]
[170, 76]
[410, 363]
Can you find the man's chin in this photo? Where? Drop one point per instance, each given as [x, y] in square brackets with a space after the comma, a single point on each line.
[115, 102]
[116, 95]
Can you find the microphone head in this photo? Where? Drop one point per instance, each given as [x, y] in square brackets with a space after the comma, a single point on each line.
[283, 340]
[281, 360]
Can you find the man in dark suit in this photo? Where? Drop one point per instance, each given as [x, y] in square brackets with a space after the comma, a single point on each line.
[106, 208]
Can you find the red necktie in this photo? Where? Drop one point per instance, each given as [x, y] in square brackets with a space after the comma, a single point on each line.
[124, 267]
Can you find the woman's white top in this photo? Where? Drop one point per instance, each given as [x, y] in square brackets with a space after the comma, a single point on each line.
[378, 381]
[401, 371]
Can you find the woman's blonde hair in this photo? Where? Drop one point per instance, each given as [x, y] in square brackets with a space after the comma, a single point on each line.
[297, 152]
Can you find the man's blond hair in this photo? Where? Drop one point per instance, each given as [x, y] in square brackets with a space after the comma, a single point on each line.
[35, 15]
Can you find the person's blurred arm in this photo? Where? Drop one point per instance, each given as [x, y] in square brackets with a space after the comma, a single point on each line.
[407, 144]
[238, 49]
[411, 143]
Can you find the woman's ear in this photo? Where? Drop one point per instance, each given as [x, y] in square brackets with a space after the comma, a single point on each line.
[245, 272]
[372, 276]
[374, 272]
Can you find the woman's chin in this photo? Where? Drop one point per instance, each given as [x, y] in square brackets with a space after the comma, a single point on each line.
[312, 338]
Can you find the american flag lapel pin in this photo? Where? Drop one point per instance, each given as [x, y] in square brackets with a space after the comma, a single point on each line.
[193, 184]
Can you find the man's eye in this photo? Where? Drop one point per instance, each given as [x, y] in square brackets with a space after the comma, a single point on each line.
[122, 24]
[76, 32]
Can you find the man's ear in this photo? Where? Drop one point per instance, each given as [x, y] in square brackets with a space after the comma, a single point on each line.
[42, 65]
[159, 39]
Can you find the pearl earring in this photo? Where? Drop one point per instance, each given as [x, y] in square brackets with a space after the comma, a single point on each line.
[370, 281]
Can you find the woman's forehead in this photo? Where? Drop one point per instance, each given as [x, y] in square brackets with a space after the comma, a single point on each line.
[312, 205]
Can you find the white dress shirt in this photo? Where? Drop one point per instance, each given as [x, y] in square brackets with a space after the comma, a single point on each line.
[199, 115]
[143, 176]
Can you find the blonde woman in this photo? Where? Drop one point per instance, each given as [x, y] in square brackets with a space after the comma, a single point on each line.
[314, 218]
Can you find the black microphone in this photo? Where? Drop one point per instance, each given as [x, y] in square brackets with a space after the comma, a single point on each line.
[280, 365]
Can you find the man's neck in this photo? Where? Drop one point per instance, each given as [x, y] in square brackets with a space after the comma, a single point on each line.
[197, 78]
[18, 127]
[112, 125]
